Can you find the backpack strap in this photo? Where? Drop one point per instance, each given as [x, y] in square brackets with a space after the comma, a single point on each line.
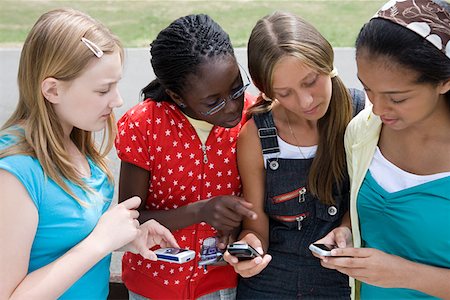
[267, 132]
[358, 100]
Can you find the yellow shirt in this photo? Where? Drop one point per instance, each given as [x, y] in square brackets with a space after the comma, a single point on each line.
[361, 139]
[202, 128]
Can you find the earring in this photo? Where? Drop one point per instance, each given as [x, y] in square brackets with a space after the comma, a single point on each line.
[182, 105]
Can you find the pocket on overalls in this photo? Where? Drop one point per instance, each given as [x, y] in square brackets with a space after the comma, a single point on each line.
[292, 221]
[298, 194]
[290, 208]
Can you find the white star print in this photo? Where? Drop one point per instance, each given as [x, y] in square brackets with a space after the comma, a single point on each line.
[172, 153]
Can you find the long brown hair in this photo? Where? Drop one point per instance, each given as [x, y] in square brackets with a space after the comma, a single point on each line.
[281, 34]
[53, 48]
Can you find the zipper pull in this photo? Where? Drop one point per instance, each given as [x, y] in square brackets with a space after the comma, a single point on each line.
[299, 220]
[301, 195]
[205, 158]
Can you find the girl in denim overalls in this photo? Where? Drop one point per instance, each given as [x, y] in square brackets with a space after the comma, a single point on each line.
[299, 185]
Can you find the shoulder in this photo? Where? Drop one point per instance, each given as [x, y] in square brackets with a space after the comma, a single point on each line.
[138, 112]
[19, 161]
[249, 134]
[365, 124]
[25, 168]
[142, 115]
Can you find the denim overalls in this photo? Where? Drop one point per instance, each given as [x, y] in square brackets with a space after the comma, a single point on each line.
[296, 219]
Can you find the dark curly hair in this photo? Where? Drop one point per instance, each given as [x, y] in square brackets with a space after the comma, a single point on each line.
[180, 49]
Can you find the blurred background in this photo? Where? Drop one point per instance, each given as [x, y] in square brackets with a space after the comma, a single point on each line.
[138, 22]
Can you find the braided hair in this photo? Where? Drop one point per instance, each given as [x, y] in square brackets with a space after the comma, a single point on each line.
[180, 49]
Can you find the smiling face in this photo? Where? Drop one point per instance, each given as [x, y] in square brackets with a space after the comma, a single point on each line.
[88, 101]
[397, 97]
[300, 89]
[214, 81]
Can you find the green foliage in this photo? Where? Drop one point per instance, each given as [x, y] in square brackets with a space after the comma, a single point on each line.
[138, 22]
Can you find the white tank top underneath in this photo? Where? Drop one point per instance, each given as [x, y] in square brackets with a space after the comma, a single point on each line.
[393, 179]
[291, 152]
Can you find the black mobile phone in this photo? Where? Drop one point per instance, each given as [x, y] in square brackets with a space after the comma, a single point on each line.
[242, 251]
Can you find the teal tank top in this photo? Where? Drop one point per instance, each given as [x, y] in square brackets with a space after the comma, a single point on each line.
[413, 223]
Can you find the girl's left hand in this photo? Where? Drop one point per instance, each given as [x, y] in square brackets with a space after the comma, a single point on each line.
[150, 234]
[368, 265]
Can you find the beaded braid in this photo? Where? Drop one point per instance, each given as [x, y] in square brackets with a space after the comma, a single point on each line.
[178, 51]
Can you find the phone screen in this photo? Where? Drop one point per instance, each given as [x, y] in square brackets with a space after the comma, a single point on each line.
[174, 250]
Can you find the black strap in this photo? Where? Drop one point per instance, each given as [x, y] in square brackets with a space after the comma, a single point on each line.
[358, 100]
[267, 132]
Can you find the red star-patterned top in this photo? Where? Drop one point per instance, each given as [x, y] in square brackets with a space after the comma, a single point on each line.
[157, 137]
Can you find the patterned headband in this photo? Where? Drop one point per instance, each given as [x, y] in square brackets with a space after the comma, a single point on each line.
[424, 17]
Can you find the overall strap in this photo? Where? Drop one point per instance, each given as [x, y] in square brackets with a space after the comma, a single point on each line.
[267, 132]
[358, 100]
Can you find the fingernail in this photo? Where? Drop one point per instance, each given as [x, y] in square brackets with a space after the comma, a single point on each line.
[258, 260]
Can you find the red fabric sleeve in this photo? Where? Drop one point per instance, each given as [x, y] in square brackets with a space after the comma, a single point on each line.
[133, 141]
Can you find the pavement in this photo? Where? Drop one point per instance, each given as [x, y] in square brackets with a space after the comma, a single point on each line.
[137, 74]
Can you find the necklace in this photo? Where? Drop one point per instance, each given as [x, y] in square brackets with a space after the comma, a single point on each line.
[295, 138]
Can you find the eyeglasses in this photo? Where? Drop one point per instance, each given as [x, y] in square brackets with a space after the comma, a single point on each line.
[233, 96]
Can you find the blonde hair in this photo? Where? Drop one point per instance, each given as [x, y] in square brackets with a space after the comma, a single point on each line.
[53, 48]
[283, 34]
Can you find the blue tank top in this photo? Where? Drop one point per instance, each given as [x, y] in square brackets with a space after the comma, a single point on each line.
[413, 223]
[63, 222]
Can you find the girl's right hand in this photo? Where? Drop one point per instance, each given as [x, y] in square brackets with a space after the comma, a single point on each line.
[118, 226]
[252, 267]
[225, 212]
[340, 236]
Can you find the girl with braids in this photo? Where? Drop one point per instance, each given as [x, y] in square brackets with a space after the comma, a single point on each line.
[398, 153]
[292, 162]
[178, 152]
[56, 235]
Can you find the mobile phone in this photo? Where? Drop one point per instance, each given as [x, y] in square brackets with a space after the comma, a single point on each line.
[322, 249]
[242, 251]
[174, 255]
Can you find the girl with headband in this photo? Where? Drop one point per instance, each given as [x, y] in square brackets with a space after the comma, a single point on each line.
[398, 154]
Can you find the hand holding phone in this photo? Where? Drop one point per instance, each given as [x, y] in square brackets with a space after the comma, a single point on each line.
[322, 249]
[174, 255]
[242, 251]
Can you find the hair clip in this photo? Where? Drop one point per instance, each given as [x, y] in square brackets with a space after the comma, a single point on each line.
[93, 47]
